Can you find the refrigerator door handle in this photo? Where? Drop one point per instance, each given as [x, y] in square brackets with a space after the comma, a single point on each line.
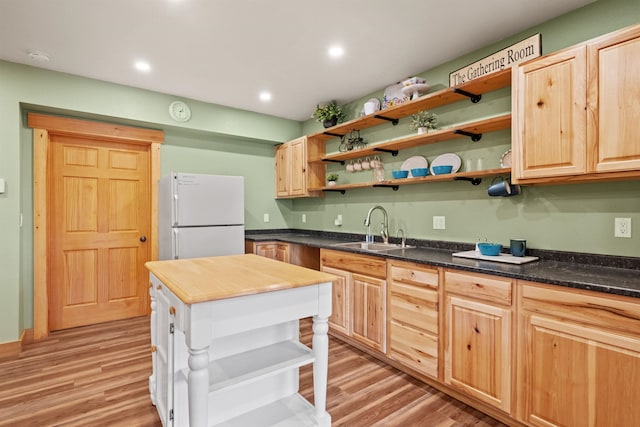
[176, 246]
[174, 208]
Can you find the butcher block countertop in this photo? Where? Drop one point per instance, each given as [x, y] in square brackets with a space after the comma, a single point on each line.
[198, 280]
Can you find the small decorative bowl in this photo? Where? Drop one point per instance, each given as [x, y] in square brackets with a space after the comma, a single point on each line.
[440, 170]
[420, 172]
[399, 174]
[490, 249]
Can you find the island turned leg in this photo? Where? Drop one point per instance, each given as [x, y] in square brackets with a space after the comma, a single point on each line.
[320, 369]
[198, 387]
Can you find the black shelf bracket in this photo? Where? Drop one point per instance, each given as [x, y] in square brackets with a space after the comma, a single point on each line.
[337, 190]
[334, 161]
[473, 181]
[394, 153]
[475, 137]
[333, 134]
[393, 121]
[393, 186]
[472, 96]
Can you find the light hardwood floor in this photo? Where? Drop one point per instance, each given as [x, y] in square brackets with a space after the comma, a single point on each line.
[98, 376]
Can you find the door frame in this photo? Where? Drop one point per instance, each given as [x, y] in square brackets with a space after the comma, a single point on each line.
[43, 126]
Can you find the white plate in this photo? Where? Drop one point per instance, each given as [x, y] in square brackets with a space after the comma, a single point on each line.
[393, 96]
[414, 162]
[445, 160]
[505, 160]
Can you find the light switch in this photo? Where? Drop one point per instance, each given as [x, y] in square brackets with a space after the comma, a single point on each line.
[1, 185]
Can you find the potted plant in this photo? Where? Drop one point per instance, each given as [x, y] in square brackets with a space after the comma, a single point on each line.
[329, 114]
[423, 121]
[332, 178]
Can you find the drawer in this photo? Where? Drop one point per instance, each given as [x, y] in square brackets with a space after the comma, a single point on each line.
[479, 286]
[356, 263]
[414, 274]
[592, 308]
[415, 306]
[416, 349]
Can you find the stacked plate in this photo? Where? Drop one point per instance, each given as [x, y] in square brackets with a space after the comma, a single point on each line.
[448, 159]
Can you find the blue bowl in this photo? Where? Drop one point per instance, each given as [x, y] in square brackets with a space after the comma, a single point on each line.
[490, 249]
[400, 174]
[440, 170]
[420, 172]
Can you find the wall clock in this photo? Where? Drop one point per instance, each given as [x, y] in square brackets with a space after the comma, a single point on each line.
[179, 111]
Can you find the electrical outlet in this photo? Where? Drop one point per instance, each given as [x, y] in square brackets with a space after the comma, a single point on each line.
[266, 217]
[338, 220]
[622, 227]
[304, 218]
[438, 223]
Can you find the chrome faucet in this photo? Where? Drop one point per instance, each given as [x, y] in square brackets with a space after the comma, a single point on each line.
[404, 238]
[385, 222]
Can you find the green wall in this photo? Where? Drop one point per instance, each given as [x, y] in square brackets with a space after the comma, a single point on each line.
[576, 217]
[229, 141]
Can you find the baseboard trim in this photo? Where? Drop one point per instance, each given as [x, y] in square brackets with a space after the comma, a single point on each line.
[11, 350]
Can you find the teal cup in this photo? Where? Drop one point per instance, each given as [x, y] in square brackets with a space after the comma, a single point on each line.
[518, 247]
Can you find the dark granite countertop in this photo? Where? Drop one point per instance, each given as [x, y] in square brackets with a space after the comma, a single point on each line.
[602, 273]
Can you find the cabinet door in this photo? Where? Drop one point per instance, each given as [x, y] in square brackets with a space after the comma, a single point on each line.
[298, 158]
[340, 297]
[614, 67]
[578, 375]
[549, 127]
[282, 171]
[369, 309]
[267, 250]
[282, 252]
[478, 351]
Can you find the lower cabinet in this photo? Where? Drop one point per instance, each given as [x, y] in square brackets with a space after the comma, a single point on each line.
[359, 297]
[272, 250]
[413, 316]
[292, 253]
[479, 360]
[579, 358]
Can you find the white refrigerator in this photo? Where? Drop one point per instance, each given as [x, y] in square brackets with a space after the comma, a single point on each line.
[200, 215]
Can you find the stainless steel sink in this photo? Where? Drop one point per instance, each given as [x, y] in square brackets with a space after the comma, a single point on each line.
[372, 247]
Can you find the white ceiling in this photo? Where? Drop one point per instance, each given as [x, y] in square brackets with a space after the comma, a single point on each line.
[227, 51]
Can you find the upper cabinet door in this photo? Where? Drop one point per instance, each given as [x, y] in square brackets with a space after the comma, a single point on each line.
[614, 96]
[549, 128]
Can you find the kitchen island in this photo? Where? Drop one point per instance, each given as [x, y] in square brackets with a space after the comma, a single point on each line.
[225, 347]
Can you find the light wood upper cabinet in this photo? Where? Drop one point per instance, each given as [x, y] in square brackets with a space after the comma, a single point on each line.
[294, 172]
[575, 112]
[549, 138]
[578, 358]
[479, 337]
[614, 101]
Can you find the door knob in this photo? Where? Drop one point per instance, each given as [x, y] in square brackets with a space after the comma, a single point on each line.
[143, 239]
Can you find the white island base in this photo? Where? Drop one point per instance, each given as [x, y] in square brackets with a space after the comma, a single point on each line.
[234, 361]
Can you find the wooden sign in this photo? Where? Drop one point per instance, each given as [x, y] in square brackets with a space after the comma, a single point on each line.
[506, 58]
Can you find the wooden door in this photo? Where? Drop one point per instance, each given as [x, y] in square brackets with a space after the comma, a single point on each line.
[369, 311]
[99, 225]
[282, 252]
[340, 311]
[549, 125]
[614, 67]
[478, 350]
[282, 170]
[267, 250]
[298, 167]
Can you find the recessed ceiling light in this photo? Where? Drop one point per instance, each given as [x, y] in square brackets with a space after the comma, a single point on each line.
[336, 51]
[265, 96]
[143, 66]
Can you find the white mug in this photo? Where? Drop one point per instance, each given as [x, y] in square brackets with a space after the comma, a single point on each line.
[357, 166]
[350, 166]
[375, 162]
[369, 108]
[366, 163]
